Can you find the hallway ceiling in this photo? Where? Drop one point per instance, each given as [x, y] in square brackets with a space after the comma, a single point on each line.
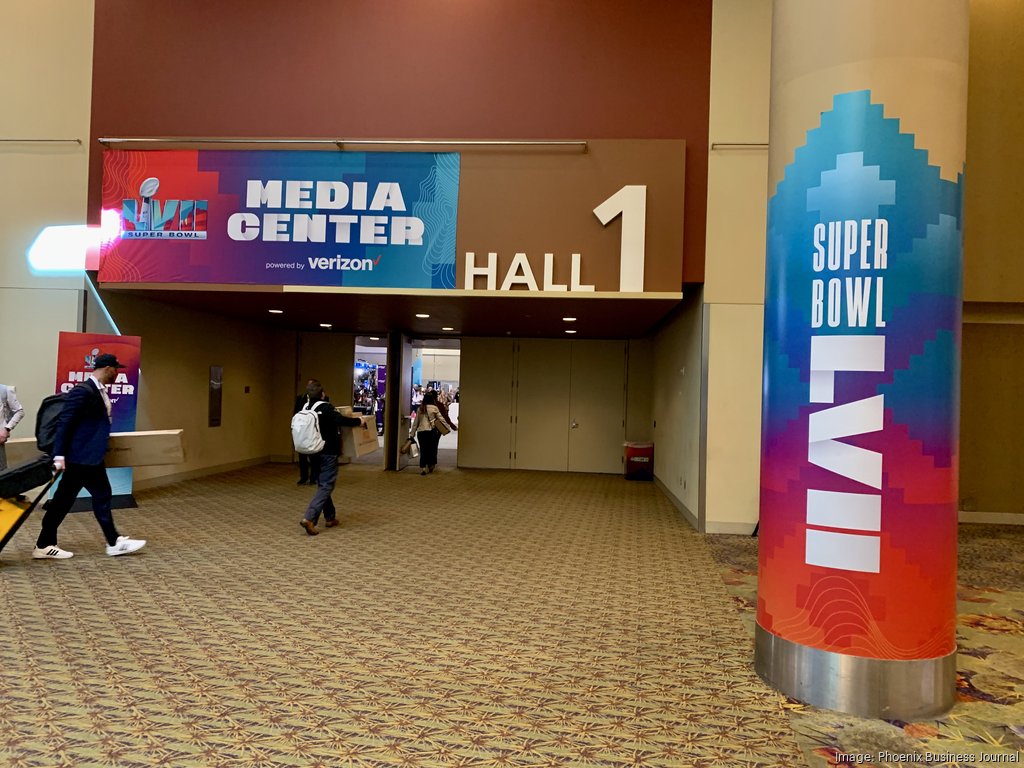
[467, 315]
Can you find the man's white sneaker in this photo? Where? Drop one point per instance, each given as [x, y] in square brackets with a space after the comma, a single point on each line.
[51, 553]
[125, 545]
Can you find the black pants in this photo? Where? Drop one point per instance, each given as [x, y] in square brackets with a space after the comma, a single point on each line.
[309, 468]
[428, 440]
[92, 477]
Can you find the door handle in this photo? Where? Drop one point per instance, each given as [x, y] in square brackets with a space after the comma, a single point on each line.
[573, 425]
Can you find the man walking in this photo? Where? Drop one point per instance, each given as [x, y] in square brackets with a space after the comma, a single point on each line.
[330, 421]
[79, 445]
[309, 466]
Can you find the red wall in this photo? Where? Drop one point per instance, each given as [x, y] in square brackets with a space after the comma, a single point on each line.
[465, 69]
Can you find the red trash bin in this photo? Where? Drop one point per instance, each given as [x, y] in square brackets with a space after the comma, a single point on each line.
[639, 464]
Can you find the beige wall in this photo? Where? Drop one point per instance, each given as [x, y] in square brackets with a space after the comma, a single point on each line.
[992, 416]
[994, 196]
[676, 408]
[46, 61]
[178, 349]
[992, 423]
[639, 391]
[734, 287]
[438, 364]
[733, 480]
[329, 357]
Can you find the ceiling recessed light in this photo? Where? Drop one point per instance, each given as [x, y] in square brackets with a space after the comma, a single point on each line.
[570, 331]
[447, 328]
[569, 319]
[276, 311]
[421, 315]
[325, 325]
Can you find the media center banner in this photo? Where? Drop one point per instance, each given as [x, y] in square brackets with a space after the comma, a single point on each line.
[352, 219]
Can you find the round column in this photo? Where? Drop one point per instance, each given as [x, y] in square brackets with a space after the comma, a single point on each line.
[858, 517]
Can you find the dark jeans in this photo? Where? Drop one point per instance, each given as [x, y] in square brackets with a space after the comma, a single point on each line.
[92, 477]
[322, 501]
[309, 468]
[428, 440]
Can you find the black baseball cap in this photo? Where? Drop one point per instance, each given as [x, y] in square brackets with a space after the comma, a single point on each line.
[106, 361]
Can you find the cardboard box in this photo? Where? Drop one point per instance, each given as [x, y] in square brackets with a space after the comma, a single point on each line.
[356, 441]
[145, 449]
[126, 449]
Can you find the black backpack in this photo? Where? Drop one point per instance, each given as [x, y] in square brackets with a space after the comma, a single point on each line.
[46, 422]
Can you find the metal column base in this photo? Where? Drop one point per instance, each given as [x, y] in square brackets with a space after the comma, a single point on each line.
[882, 688]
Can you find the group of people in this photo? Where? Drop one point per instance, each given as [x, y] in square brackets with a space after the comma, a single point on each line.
[79, 447]
[321, 469]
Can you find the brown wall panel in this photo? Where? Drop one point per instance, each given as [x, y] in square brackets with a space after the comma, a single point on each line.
[991, 419]
[538, 202]
[505, 69]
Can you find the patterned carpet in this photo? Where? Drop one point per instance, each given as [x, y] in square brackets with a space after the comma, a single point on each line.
[467, 618]
[987, 723]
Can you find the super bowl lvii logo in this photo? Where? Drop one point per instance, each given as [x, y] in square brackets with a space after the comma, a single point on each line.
[155, 219]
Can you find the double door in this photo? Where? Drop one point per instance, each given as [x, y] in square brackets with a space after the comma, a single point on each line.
[550, 404]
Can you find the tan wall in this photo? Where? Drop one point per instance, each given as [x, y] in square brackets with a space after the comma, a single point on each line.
[439, 365]
[994, 196]
[733, 481]
[639, 391]
[992, 416]
[178, 347]
[991, 422]
[46, 61]
[329, 357]
[734, 266]
[738, 176]
[676, 407]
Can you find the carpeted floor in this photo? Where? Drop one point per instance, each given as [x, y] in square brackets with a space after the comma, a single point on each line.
[467, 618]
[987, 722]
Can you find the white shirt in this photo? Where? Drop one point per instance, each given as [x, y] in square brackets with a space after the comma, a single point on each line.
[11, 411]
[106, 397]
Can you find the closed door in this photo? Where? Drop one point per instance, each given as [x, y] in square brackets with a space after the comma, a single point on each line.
[597, 406]
[542, 405]
[486, 403]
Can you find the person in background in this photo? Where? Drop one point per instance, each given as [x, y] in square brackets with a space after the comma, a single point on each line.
[309, 466]
[330, 422]
[11, 413]
[426, 435]
[442, 406]
[79, 445]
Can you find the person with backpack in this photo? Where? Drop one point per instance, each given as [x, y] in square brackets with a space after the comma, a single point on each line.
[79, 445]
[326, 444]
[309, 465]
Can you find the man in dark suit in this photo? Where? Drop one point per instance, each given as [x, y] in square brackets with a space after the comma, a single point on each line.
[79, 445]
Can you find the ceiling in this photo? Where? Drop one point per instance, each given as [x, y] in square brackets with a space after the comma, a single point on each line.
[597, 316]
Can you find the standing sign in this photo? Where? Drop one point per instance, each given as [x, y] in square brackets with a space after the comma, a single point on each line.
[352, 219]
[861, 393]
[75, 355]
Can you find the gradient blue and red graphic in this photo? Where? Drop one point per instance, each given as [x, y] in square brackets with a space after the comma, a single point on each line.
[860, 415]
[351, 219]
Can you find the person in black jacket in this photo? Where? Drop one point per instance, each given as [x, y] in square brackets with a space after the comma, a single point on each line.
[79, 445]
[330, 422]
